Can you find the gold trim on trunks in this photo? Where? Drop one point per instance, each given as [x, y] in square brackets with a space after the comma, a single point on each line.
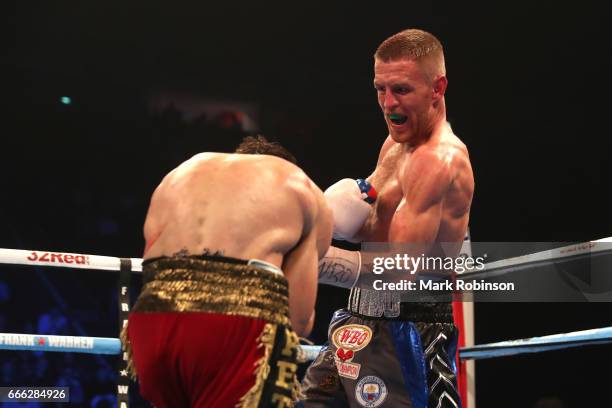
[262, 368]
[189, 284]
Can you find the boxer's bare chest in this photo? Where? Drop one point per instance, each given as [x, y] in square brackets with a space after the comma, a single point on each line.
[386, 180]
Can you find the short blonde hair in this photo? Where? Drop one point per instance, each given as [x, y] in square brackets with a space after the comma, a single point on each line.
[416, 45]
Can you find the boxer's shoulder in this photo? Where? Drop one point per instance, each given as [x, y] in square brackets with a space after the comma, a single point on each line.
[387, 145]
[446, 152]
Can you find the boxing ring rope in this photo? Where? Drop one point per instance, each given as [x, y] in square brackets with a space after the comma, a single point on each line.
[561, 254]
[537, 344]
[109, 263]
[70, 344]
[106, 345]
[65, 260]
[85, 345]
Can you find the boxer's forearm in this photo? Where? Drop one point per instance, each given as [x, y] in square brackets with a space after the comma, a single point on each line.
[348, 269]
[340, 267]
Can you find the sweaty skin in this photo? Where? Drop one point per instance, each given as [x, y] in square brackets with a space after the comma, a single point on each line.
[425, 185]
[423, 175]
[424, 192]
[245, 206]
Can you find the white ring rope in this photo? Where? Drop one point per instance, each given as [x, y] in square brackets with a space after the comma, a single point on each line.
[109, 263]
[551, 255]
[65, 260]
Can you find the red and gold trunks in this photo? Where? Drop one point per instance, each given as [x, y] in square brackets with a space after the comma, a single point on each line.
[213, 332]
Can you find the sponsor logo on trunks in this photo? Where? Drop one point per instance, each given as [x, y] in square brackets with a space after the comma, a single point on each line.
[345, 355]
[371, 391]
[329, 383]
[55, 257]
[348, 370]
[350, 339]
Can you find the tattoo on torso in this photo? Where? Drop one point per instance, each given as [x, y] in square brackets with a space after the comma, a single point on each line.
[184, 252]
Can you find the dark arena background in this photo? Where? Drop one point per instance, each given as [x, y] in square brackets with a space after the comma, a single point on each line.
[110, 96]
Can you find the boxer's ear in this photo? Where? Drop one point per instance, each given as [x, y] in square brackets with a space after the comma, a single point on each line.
[439, 87]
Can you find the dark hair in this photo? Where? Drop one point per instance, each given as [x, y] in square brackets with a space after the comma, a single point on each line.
[260, 145]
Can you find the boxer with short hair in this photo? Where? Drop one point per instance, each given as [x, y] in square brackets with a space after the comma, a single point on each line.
[229, 280]
[381, 350]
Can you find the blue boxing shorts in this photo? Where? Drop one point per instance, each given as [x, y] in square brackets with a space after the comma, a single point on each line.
[404, 361]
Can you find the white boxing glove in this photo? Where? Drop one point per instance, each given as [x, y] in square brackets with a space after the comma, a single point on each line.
[350, 201]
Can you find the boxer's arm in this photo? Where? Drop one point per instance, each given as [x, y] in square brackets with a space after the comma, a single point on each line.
[350, 202]
[300, 268]
[300, 264]
[349, 269]
[324, 223]
[418, 216]
[388, 144]
[340, 267]
[153, 226]
[336, 267]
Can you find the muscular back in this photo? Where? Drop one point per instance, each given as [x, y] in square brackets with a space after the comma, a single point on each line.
[425, 193]
[242, 206]
[245, 206]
